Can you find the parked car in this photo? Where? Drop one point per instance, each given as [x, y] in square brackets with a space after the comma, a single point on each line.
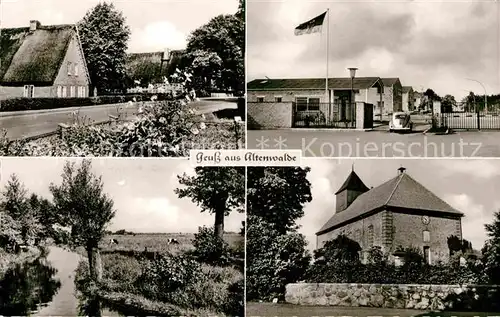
[400, 121]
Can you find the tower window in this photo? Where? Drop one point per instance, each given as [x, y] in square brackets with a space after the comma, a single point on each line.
[427, 236]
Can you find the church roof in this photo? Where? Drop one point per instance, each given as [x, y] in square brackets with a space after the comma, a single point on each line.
[400, 192]
[353, 182]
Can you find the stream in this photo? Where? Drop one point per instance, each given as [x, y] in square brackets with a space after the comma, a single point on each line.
[44, 287]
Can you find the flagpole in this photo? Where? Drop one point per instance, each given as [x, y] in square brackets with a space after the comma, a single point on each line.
[327, 52]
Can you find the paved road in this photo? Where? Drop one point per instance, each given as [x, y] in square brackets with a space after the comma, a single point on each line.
[378, 143]
[31, 123]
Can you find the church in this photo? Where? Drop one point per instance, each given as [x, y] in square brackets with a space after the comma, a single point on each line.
[397, 214]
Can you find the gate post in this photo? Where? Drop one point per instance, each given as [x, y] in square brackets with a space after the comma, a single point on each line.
[478, 121]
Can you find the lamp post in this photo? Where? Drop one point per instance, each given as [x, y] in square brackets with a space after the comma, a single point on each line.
[352, 73]
[485, 95]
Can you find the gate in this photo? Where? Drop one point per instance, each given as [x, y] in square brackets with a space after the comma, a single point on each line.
[324, 115]
[470, 120]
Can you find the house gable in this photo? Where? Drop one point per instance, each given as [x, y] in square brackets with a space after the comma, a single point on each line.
[67, 75]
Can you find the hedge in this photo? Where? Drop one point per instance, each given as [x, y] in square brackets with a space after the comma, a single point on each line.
[390, 274]
[22, 104]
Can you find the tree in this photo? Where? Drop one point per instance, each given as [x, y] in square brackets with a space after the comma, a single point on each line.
[241, 10]
[223, 37]
[278, 195]
[273, 259]
[104, 36]
[340, 250]
[448, 103]
[14, 200]
[86, 209]
[218, 190]
[16, 204]
[491, 250]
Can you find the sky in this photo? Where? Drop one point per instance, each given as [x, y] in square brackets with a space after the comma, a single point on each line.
[142, 191]
[426, 43]
[155, 24]
[470, 186]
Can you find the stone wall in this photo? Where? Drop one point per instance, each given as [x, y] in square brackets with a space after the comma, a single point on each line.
[424, 297]
[268, 115]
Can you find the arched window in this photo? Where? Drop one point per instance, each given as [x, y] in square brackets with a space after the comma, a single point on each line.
[426, 236]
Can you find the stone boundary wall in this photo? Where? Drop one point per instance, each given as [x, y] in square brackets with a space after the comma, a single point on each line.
[424, 297]
[269, 115]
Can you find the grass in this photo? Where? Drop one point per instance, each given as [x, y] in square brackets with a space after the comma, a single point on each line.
[7, 260]
[158, 242]
[268, 309]
[254, 309]
[122, 289]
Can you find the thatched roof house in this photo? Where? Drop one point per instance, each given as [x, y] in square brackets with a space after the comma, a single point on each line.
[42, 61]
[149, 68]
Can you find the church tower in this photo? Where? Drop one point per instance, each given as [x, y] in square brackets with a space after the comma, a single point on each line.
[349, 191]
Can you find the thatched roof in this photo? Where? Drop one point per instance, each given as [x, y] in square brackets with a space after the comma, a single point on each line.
[33, 57]
[148, 67]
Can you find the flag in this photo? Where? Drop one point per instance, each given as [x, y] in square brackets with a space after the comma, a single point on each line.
[311, 26]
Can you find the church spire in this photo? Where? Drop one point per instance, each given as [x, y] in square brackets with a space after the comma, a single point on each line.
[401, 170]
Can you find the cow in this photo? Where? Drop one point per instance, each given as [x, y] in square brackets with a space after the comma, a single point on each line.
[173, 241]
[113, 241]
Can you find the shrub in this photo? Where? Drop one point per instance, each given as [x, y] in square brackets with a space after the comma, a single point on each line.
[234, 305]
[209, 248]
[168, 273]
[22, 104]
[124, 269]
[387, 273]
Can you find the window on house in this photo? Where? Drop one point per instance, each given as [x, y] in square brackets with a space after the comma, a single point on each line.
[64, 92]
[76, 69]
[370, 236]
[427, 236]
[72, 91]
[260, 99]
[278, 99]
[307, 104]
[29, 91]
[313, 104]
[301, 103]
[69, 68]
[59, 92]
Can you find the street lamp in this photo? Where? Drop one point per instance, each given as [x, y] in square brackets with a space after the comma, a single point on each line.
[485, 95]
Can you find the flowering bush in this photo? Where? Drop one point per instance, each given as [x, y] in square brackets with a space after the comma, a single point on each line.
[162, 128]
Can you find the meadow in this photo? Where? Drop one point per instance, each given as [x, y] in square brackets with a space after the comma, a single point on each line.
[158, 242]
[167, 279]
